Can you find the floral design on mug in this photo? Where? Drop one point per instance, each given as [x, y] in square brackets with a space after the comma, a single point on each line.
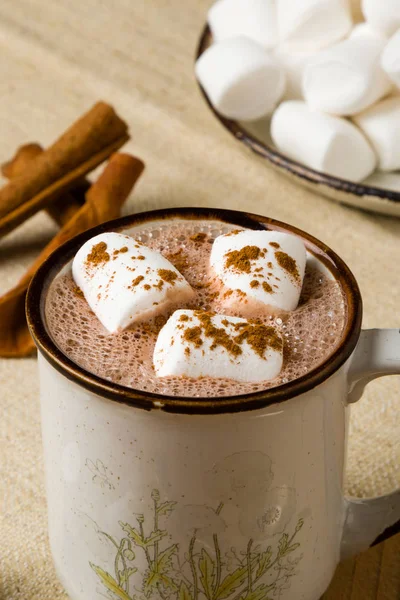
[201, 568]
[271, 515]
[99, 472]
[190, 518]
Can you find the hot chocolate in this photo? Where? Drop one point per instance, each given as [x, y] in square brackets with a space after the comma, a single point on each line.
[310, 333]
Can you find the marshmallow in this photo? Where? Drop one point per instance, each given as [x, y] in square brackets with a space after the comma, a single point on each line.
[240, 78]
[200, 344]
[259, 269]
[309, 25]
[293, 64]
[390, 59]
[123, 281]
[346, 78]
[255, 19]
[383, 15]
[322, 142]
[381, 125]
[366, 29]
[385, 180]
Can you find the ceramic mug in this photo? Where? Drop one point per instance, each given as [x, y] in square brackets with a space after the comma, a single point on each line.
[157, 497]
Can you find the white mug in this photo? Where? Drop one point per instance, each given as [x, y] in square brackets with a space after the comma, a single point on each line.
[156, 497]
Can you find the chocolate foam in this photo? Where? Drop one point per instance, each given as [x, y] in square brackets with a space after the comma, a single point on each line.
[311, 333]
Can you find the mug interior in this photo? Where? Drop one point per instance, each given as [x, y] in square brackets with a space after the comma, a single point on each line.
[324, 257]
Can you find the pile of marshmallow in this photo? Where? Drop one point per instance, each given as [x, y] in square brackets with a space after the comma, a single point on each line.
[338, 85]
[125, 282]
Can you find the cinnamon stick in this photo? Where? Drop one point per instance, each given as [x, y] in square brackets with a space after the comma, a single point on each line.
[86, 144]
[103, 202]
[68, 203]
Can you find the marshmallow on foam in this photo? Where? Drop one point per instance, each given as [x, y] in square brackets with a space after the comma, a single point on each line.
[255, 19]
[240, 78]
[346, 78]
[390, 59]
[124, 281]
[381, 125]
[259, 269]
[309, 25]
[322, 142]
[383, 15]
[200, 344]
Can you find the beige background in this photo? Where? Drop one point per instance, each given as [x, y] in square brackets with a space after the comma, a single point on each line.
[58, 58]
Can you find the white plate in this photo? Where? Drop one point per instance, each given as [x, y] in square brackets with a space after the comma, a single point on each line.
[379, 193]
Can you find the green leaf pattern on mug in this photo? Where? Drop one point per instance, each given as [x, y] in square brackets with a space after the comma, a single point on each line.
[198, 570]
[184, 593]
[109, 582]
[207, 573]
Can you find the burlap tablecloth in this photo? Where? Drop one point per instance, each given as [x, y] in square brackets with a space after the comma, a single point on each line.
[56, 59]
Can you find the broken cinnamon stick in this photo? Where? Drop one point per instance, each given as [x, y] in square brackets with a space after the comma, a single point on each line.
[92, 139]
[67, 204]
[103, 202]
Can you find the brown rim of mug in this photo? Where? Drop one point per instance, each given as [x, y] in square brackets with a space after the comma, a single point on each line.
[282, 161]
[51, 267]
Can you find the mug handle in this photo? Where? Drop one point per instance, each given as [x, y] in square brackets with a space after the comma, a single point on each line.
[371, 520]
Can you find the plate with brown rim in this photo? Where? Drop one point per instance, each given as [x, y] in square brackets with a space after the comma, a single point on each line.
[380, 193]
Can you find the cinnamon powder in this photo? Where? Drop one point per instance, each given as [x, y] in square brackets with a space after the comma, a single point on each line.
[199, 238]
[260, 337]
[240, 260]
[155, 325]
[98, 254]
[179, 260]
[136, 281]
[167, 275]
[193, 336]
[288, 263]
[159, 321]
[267, 288]
[78, 292]
[219, 336]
